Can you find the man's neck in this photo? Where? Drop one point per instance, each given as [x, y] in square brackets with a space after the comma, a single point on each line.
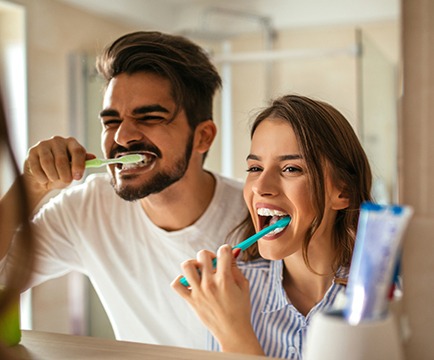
[182, 203]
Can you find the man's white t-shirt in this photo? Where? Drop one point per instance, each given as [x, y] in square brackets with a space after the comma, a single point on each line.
[130, 261]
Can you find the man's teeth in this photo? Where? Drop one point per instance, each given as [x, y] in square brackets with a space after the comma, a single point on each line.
[135, 165]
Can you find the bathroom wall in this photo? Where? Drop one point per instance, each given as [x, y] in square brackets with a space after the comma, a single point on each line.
[417, 173]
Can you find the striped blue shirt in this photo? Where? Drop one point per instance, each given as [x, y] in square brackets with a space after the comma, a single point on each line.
[279, 326]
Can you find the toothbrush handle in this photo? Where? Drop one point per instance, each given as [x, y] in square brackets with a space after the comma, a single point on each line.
[94, 163]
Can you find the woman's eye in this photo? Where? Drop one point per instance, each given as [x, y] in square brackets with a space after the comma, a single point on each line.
[292, 169]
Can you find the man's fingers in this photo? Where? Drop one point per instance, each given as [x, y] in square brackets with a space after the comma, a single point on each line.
[78, 158]
[57, 161]
[33, 168]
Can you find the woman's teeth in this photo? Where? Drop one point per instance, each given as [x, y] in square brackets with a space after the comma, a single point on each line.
[270, 212]
[274, 215]
[275, 231]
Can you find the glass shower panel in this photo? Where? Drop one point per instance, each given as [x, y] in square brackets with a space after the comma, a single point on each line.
[378, 104]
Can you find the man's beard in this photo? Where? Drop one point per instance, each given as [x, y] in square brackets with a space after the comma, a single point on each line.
[161, 180]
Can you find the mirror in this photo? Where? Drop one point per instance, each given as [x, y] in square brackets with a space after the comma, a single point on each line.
[351, 63]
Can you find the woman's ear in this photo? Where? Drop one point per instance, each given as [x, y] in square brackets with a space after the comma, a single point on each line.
[204, 136]
[340, 198]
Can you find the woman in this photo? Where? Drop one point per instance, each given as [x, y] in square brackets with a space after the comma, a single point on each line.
[305, 162]
[14, 206]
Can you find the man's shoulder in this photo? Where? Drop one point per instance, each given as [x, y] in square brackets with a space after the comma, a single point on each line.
[229, 195]
[98, 179]
[94, 186]
[229, 183]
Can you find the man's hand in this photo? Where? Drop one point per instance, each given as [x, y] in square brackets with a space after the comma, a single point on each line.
[53, 164]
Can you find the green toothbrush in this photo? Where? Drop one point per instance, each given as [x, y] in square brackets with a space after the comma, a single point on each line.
[126, 159]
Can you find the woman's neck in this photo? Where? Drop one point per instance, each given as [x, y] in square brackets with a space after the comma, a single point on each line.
[304, 286]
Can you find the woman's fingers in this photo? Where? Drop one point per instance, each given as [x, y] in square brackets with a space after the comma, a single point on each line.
[225, 261]
[203, 272]
[215, 294]
[205, 259]
[192, 271]
[182, 290]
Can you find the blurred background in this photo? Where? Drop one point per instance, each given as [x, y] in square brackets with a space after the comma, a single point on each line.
[346, 52]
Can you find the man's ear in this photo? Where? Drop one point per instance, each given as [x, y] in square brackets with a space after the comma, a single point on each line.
[204, 136]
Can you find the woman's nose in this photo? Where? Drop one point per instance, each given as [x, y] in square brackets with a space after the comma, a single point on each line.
[266, 184]
[127, 133]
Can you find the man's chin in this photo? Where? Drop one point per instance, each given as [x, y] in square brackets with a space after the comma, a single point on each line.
[133, 193]
[128, 192]
[134, 187]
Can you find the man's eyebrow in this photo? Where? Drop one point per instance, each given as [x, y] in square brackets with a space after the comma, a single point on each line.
[137, 111]
[280, 158]
[252, 157]
[108, 112]
[150, 108]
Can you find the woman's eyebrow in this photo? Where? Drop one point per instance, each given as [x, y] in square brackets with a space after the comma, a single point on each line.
[289, 157]
[280, 158]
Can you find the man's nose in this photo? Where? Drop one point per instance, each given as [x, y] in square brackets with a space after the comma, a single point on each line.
[128, 132]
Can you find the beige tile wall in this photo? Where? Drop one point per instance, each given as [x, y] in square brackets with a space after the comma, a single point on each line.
[417, 173]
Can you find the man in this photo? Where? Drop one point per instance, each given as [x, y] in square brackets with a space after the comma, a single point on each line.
[131, 241]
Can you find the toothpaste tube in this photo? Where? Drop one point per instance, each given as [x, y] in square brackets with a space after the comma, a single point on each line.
[376, 254]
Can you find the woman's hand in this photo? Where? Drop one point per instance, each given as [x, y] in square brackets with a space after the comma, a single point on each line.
[221, 299]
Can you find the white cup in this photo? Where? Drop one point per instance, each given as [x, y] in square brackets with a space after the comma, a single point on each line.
[331, 337]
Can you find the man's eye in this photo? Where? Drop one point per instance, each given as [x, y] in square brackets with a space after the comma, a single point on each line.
[152, 119]
[252, 169]
[110, 123]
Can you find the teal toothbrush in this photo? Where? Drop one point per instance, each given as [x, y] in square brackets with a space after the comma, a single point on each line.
[251, 240]
[127, 159]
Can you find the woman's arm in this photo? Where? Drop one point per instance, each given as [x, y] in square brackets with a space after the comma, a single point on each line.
[221, 299]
